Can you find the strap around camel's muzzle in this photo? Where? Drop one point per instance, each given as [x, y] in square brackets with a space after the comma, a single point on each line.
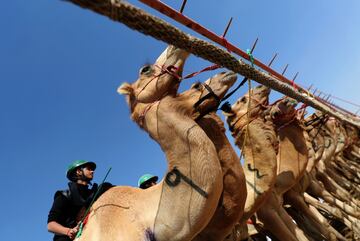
[205, 97]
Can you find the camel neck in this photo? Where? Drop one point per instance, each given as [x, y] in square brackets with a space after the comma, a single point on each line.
[257, 146]
[198, 171]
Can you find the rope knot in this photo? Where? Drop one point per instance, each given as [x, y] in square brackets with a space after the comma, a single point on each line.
[251, 57]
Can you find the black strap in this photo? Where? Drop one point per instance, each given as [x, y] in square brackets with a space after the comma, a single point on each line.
[233, 91]
[208, 95]
[224, 107]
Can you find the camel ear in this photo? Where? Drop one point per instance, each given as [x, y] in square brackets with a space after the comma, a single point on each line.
[125, 89]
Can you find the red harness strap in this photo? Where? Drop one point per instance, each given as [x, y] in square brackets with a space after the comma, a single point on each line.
[86, 219]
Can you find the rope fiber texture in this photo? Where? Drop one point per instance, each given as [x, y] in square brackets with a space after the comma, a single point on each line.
[147, 24]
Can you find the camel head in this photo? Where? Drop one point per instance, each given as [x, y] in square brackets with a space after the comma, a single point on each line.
[207, 95]
[352, 133]
[247, 108]
[342, 140]
[283, 111]
[315, 121]
[157, 80]
[331, 125]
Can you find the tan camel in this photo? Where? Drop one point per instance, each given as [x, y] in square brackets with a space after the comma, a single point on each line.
[316, 189]
[219, 85]
[320, 192]
[337, 168]
[257, 141]
[233, 198]
[330, 185]
[179, 207]
[292, 159]
[293, 153]
[310, 220]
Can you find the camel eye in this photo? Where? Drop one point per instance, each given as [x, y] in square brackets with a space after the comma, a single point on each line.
[243, 99]
[197, 85]
[146, 69]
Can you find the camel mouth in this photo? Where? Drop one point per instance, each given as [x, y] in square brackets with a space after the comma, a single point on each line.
[124, 89]
[226, 108]
[229, 77]
[172, 56]
[263, 90]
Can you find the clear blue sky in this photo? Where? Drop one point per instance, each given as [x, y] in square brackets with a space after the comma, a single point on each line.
[60, 67]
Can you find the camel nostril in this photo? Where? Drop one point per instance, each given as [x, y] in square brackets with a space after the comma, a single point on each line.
[226, 107]
[275, 114]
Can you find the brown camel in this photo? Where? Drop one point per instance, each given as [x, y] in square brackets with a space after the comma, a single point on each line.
[293, 153]
[310, 220]
[317, 188]
[337, 168]
[257, 141]
[331, 139]
[180, 206]
[233, 198]
[292, 159]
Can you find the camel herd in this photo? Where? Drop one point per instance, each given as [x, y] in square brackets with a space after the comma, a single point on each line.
[299, 179]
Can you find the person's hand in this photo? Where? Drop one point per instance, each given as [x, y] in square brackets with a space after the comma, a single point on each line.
[71, 233]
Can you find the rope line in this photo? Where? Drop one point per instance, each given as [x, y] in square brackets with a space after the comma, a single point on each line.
[147, 24]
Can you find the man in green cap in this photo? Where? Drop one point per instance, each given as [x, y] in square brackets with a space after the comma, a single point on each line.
[69, 205]
[147, 180]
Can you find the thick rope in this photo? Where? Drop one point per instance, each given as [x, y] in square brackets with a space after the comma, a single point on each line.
[147, 24]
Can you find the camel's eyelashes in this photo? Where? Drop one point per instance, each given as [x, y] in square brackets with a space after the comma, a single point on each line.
[197, 86]
[146, 69]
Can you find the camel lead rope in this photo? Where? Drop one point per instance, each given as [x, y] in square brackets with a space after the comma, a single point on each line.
[81, 226]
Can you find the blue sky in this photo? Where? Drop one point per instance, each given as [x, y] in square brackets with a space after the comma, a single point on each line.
[60, 67]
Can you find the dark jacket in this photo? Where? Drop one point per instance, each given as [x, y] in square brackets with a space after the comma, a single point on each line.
[68, 204]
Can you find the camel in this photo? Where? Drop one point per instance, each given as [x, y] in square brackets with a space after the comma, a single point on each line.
[219, 85]
[231, 205]
[340, 174]
[291, 164]
[180, 206]
[293, 153]
[316, 189]
[257, 141]
[310, 219]
[330, 185]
